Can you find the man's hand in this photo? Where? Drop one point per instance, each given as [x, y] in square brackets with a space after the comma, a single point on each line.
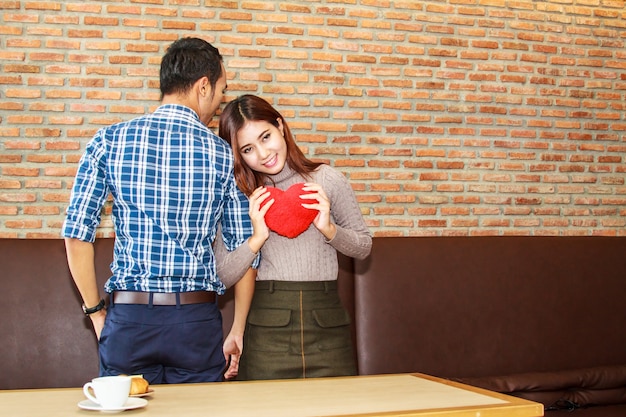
[97, 320]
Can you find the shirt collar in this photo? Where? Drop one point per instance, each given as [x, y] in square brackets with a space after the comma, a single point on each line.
[180, 109]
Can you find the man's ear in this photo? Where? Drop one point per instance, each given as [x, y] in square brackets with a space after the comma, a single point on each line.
[203, 86]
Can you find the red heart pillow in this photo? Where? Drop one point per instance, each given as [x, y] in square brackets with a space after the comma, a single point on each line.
[287, 217]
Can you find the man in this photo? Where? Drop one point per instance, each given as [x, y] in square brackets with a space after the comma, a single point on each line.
[172, 184]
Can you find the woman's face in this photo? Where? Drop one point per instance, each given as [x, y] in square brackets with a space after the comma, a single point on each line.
[262, 146]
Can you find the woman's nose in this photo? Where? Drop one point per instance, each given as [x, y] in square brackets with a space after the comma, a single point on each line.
[263, 152]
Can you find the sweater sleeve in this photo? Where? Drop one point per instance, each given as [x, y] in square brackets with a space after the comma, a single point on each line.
[231, 265]
[353, 237]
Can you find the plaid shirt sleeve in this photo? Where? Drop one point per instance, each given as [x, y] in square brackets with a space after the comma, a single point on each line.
[88, 194]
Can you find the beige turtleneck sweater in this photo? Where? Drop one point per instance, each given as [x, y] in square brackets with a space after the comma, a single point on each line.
[309, 256]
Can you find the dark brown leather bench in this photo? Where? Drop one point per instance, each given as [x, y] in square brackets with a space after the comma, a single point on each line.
[485, 309]
[46, 340]
[489, 311]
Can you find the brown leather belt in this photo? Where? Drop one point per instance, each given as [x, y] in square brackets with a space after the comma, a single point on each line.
[163, 299]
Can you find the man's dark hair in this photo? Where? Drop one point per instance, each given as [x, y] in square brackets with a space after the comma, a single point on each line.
[185, 62]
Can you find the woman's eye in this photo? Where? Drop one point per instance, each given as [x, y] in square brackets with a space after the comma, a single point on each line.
[246, 150]
[267, 136]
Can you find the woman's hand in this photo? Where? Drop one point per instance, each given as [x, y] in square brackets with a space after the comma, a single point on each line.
[257, 213]
[321, 203]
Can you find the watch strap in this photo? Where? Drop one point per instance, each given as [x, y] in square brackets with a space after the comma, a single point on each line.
[91, 310]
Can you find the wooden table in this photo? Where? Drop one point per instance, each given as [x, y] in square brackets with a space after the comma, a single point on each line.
[379, 395]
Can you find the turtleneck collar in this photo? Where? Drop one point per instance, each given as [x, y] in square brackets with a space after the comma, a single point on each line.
[283, 176]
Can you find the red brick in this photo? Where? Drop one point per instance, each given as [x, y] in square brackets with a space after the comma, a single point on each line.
[539, 94]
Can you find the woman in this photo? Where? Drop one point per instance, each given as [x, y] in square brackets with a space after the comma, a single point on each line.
[296, 326]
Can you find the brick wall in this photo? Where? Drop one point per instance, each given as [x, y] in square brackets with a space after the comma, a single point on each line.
[450, 117]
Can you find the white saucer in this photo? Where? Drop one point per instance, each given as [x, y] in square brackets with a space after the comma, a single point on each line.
[145, 394]
[130, 404]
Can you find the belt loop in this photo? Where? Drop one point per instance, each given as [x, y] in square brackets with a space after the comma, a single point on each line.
[326, 287]
[177, 301]
[111, 298]
[271, 289]
[150, 300]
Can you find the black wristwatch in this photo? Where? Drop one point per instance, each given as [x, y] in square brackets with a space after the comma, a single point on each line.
[92, 310]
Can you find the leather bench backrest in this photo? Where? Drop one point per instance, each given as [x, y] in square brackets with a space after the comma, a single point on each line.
[47, 342]
[479, 306]
[447, 306]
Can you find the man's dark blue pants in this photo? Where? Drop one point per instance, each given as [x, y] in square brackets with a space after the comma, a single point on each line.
[165, 344]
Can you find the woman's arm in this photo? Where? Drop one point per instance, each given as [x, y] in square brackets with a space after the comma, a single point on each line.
[233, 344]
[232, 265]
[351, 235]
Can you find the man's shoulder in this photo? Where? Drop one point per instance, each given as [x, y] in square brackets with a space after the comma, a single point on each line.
[123, 124]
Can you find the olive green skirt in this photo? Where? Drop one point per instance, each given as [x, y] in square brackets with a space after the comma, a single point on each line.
[297, 330]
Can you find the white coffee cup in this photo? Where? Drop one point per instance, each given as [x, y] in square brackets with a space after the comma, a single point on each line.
[110, 391]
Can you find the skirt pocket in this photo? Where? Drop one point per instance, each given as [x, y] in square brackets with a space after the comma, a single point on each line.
[269, 330]
[334, 328]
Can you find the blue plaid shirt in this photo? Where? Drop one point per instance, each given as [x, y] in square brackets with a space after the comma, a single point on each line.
[172, 183]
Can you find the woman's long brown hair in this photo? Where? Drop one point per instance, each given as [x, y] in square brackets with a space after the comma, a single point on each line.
[253, 108]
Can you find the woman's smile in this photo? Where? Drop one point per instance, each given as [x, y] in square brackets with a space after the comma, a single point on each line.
[272, 162]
